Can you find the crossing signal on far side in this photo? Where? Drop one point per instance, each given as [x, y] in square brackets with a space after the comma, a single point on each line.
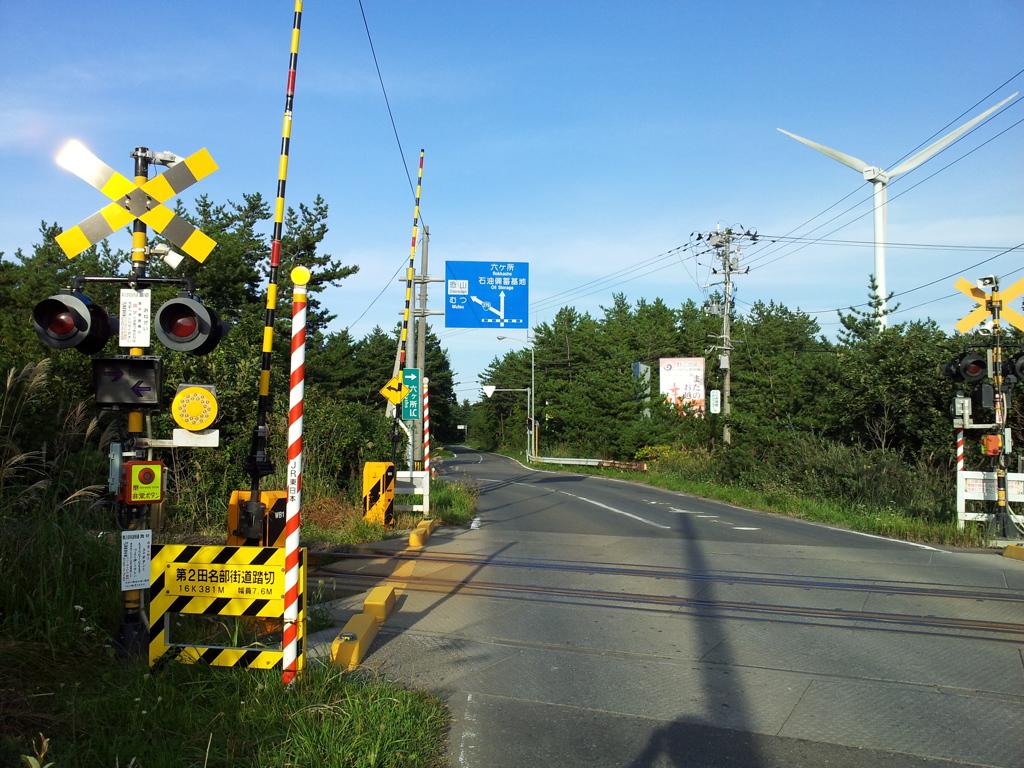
[184, 324]
[1013, 368]
[69, 320]
[966, 367]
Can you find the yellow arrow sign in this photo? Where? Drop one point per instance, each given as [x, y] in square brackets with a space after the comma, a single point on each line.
[1012, 316]
[132, 202]
[395, 391]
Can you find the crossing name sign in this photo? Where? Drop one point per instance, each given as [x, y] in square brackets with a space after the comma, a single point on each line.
[487, 294]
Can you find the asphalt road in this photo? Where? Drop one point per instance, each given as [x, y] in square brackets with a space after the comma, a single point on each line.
[583, 621]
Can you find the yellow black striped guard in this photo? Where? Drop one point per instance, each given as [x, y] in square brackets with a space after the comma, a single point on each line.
[219, 581]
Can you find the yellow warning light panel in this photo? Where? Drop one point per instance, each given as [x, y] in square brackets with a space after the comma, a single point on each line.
[194, 407]
[143, 482]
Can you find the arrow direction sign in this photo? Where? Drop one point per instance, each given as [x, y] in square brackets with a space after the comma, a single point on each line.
[395, 391]
[985, 300]
[411, 404]
[485, 294]
[128, 383]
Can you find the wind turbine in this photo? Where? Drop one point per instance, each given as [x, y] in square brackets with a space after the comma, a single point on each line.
[880, 181]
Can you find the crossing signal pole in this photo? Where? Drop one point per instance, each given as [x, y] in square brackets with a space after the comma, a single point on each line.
[972, 368]
[132, 383]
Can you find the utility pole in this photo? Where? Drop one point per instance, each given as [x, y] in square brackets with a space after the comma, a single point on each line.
[722, 242]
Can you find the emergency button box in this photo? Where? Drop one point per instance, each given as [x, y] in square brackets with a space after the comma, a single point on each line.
[143, 482]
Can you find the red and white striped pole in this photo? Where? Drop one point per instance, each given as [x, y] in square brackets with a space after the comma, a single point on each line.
[426, 425]
[959, 450]
[291, 664]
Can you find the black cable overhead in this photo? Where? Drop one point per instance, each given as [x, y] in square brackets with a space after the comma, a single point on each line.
[401, 153]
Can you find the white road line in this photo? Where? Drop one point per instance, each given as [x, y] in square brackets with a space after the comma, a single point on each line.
[682, 511]
[468, 734]
[618, 511]
[737, 528]
[884, 538]
[475, 524]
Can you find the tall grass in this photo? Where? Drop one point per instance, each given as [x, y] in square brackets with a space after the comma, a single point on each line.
[58, 578]
[453, 502]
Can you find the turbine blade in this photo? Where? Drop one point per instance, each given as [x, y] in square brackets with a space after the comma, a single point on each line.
[849, 160]
[945, 141]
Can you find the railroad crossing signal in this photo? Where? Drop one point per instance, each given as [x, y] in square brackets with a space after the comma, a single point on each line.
[395, 390]
[70, 320]
[132, 202]
[185, 325]
[987, 302]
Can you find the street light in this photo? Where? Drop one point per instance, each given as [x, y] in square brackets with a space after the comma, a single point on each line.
[534, 442]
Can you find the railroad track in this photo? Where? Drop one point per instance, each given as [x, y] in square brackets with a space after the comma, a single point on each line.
[380, 567]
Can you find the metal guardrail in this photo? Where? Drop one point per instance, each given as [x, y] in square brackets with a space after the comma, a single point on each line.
[638, 466]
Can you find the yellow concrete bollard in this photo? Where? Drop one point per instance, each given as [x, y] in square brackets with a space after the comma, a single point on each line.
[353, 642]
[1016, 551]
[379, 602]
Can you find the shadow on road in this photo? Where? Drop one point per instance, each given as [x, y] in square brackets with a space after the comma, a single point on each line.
[708, 742]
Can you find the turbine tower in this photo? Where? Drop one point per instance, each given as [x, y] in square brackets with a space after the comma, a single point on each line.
[880, 181]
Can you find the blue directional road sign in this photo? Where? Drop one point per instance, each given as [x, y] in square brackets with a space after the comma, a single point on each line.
[411, 403]
[487, 294]
[128, 383]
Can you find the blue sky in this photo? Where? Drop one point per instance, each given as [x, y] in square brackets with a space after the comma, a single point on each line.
[586, 138]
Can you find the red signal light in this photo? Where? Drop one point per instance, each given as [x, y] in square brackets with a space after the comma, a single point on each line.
[179, 321]
[69, 319]
[61, 323]
[185, 325]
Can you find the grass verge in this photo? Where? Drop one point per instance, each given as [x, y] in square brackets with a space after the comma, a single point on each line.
[98, 711]
[58, 681]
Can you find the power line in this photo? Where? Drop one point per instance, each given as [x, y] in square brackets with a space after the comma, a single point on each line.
[869, 243]
[384, 90]
[401, 153]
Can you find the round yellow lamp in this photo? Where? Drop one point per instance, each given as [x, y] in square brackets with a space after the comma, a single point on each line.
[194, 408]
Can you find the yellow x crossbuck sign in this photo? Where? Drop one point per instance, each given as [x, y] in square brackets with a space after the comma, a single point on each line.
[1011, 316]
[132, 202]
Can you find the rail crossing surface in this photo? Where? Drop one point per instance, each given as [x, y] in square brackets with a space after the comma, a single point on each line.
[589, 622]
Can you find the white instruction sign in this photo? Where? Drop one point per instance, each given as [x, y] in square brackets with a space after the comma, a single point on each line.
[134, 318]
[135, 557]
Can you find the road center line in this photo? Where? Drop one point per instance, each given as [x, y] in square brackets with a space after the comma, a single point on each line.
[618, 511]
